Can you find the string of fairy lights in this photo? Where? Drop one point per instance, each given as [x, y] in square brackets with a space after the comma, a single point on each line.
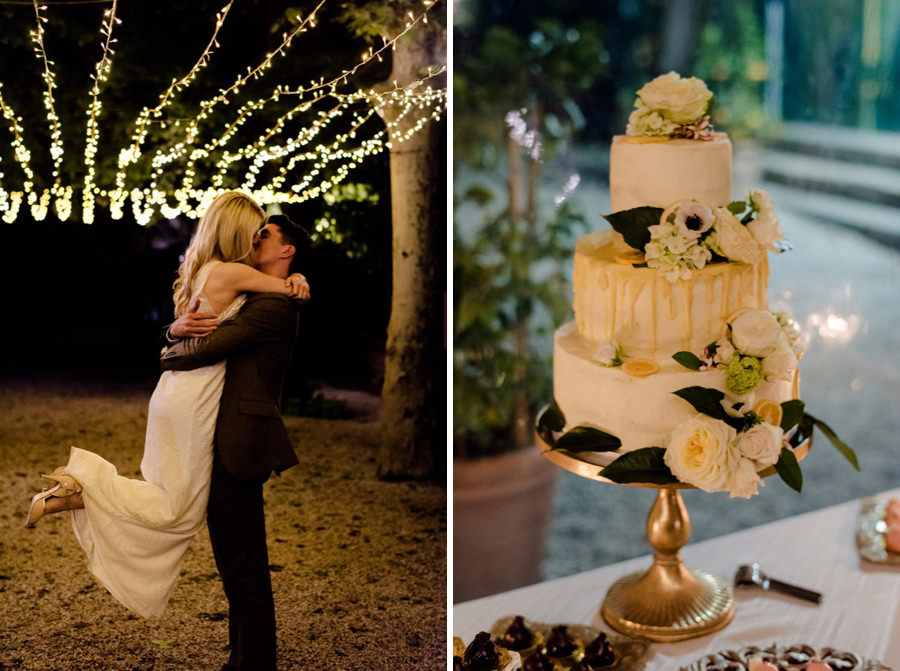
[287, 161]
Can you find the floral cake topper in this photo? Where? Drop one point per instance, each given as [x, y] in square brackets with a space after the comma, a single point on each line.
[672, 106]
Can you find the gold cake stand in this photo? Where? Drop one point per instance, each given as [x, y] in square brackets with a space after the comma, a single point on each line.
[668, 602]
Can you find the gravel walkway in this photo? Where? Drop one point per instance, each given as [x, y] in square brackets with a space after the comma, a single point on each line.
[358, 565]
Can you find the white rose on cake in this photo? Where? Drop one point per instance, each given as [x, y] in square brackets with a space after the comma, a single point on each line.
[760, 199]
[643, 121]
[731, 239]
[744, 481]
[791, 331]
[682, 100]
[755, 332]
[766, 229]
[781, 363]
[702, 453]
[761, 444]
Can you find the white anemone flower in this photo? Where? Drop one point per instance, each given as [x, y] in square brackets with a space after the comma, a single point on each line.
[691, 217]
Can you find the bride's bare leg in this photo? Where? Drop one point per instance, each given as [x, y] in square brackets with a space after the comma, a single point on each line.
[57, 504]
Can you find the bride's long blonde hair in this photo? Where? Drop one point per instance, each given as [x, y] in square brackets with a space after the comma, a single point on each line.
[225, 232]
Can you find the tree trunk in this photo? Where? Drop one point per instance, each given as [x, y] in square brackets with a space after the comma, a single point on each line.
[521, 427]
[414, 436]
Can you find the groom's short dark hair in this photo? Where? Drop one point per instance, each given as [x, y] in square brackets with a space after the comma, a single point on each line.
[293, 234]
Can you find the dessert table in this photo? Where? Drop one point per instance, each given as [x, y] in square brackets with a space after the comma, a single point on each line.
[860, 611]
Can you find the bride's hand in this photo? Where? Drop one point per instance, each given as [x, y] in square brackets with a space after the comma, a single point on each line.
[299, 287]
[194, 324]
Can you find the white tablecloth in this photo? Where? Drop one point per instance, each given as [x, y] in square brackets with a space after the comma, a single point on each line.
[860, 611]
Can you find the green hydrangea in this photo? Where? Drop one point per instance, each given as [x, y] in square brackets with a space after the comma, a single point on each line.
[743, 374]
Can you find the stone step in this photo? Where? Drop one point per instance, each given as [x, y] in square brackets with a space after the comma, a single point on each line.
[850, 145]
[865, 182]
[878, 221]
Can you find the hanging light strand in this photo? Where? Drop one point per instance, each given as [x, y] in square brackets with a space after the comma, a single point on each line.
[193, 127]
[344, 100]
[177, 85]
[92, 132]
[298, 156]
[11, 201]
[163, 156]
[39, 204]
[132, 153]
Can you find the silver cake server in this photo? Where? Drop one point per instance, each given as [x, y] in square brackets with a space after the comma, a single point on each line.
[750, 575]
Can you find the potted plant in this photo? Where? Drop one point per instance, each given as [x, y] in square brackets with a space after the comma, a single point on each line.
[502, 485]
[509, 292]
[514, 99]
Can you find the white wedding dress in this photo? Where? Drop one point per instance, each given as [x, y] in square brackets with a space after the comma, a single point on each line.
[135, 532]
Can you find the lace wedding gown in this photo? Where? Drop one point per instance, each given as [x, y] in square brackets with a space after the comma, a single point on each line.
[135, 532]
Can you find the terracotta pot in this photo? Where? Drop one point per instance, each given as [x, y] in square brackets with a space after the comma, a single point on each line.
[502, 507]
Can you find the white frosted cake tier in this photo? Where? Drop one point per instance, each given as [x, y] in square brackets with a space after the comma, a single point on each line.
[644, 171]
[640, 411]
[646, 314]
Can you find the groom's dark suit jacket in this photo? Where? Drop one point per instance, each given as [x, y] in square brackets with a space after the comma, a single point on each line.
[250, 433]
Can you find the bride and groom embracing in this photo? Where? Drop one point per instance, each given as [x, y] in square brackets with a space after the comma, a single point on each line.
[214, 432]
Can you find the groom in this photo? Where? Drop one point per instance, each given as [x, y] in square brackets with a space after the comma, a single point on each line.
[251, 440]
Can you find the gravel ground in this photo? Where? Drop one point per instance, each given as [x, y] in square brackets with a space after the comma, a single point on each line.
[358, 565]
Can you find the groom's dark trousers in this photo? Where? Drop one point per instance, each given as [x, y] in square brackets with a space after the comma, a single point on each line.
[250, 443]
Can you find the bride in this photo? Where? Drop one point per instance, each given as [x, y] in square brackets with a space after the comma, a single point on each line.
[135, 532]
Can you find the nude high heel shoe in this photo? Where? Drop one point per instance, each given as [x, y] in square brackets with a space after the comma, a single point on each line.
[68, 484]
[63, 486]
[39, 505]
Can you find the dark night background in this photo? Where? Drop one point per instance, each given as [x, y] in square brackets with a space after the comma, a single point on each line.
[90, 301]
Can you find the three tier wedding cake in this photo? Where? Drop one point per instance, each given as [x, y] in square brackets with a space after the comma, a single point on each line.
[674, 369]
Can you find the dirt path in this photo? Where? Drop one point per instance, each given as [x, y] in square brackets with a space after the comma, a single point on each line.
[358, 565]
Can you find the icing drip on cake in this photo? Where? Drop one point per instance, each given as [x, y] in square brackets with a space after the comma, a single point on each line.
[646, 314]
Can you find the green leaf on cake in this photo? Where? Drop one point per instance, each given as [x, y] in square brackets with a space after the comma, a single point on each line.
[634, 224]
[789, 470]
[791, 414]
[737, 206]
[839, 444]
[688, 360]
[587, 439]
[709, 402]
[645, 465]
[550, 419]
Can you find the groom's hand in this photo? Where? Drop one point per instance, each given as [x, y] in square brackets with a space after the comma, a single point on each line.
[194, 324]
[299, 287]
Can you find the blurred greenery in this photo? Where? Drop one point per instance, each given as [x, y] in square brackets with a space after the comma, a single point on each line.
[731, 60]
[517, 99]
[495, 287]
[542, 71]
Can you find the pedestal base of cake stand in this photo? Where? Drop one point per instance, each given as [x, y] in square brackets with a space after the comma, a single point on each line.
[668, 602]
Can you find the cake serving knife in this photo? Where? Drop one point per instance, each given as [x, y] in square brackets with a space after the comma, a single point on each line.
[750, 575]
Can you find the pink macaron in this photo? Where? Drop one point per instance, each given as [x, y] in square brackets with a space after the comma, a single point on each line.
[892, 538]
[892, 512]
